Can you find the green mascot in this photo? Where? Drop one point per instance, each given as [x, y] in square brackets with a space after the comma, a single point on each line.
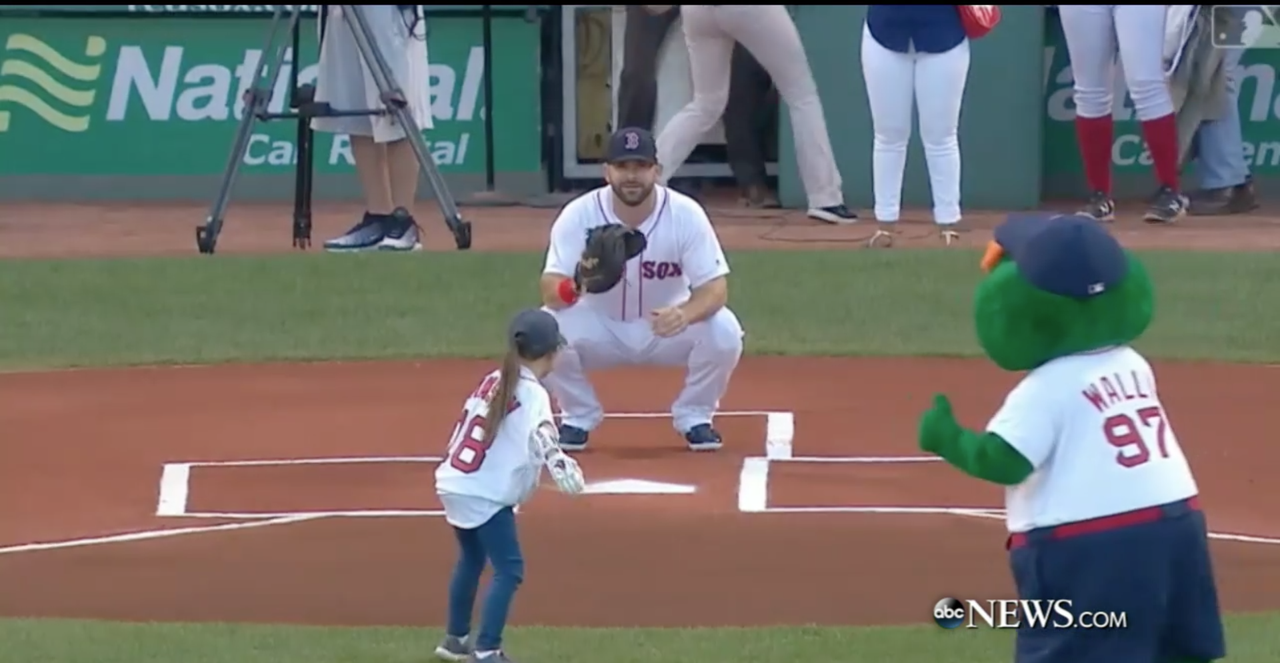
[1101, 506]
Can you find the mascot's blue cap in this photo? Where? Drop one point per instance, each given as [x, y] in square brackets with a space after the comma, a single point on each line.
[1068, 255]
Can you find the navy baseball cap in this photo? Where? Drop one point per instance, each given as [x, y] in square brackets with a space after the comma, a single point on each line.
[1071, 255]
[632, 144]
[535, 333]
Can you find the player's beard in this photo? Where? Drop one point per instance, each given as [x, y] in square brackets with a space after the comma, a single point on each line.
[632, 195]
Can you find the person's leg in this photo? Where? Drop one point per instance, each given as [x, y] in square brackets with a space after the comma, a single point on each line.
[749, 86]
[1225, 184]
[709, 351]
[340, 82]
[403, 42]
[710, 56]
[502, 546]
[889, 77]
[1091, 45]
[939, 87]
[771, 36]
[592, 345]
[638, 84]
[1140, 38]
[462, 595]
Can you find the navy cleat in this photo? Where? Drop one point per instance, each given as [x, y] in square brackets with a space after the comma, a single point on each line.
[703, 438]
[453, 648]
[400, 232]
[573, 438]
[363, 236]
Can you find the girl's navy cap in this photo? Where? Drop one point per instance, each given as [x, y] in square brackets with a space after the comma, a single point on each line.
[535, 333]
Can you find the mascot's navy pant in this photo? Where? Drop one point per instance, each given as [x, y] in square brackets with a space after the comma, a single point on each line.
[1151, 564]
[495, 542]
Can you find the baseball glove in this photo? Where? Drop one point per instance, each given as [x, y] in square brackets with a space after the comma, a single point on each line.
[604, 260]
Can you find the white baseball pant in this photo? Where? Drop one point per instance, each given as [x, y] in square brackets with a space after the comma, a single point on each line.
[1095, 34]
[768, 33]
[709, 350]
[934, 84]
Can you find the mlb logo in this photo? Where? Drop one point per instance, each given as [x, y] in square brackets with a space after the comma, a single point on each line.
[1244, 26]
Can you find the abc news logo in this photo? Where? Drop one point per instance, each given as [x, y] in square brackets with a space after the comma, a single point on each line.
[952, 613]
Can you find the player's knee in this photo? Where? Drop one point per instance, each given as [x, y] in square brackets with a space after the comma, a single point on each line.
[1093, 101]
[1150, 99]
[510, 572]
[723, 335]
[710, 106]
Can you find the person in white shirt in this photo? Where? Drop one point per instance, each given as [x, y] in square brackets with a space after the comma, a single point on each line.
[669, 308]
[494, 462]
[385, 161]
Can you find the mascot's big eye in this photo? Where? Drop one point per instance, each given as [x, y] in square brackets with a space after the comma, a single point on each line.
[992, 257]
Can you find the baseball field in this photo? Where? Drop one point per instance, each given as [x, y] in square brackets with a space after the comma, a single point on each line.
[229, 459]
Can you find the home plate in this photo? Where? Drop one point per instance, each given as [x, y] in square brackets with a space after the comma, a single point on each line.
[638, 487]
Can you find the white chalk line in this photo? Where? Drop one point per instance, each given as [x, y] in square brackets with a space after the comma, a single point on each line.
[349, 513]
[152, 534]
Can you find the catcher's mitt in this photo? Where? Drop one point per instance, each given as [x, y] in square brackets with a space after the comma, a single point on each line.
[604, 260]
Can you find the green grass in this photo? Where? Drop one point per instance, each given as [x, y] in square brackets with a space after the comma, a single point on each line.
[1251, 638]
[307, 307]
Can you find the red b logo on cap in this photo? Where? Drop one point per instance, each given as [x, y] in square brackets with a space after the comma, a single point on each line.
[631, 140]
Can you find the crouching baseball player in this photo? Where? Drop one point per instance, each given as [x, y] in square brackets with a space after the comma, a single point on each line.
[494, 462]
[636, 275]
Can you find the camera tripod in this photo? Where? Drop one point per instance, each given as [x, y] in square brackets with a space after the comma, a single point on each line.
[302, 108]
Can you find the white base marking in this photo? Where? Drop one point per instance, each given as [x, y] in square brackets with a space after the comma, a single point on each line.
[151, 534]
[753, 485]
[779, 431]
[174, 484]
[638, 487]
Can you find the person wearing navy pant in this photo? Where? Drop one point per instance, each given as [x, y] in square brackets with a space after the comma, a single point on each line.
[495, 459]
[497, 543]
[1153, 565]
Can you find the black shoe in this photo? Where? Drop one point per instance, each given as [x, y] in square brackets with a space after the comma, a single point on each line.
[1167, 206]
[1100, 207]
[1236, 199]
[837, 214]
[573, 438]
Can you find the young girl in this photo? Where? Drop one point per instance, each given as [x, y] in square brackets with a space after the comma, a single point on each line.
[499, 446]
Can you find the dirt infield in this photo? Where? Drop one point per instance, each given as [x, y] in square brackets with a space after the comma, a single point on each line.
[48, 230]
[99, 453]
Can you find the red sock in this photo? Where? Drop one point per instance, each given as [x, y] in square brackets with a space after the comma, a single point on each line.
[1161, 135]
[1094, 135]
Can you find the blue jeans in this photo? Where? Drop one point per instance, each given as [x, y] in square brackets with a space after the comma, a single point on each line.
[495, 542]
[1219, 144]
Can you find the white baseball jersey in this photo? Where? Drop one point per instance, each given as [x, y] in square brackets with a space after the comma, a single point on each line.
[683, 252]
[1101, 442]
[475, 482]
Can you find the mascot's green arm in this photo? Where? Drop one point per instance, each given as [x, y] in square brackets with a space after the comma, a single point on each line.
[983, 455]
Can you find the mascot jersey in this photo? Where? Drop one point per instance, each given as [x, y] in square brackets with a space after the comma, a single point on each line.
[1102, 507]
